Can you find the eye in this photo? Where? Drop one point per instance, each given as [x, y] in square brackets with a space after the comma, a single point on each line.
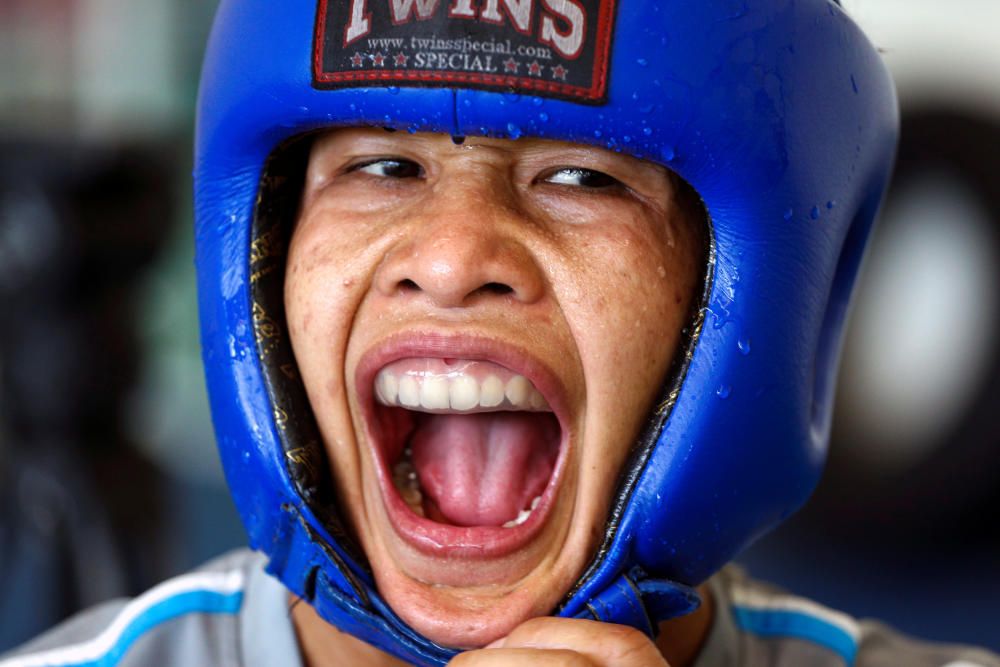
[583, 178]
[389, 167]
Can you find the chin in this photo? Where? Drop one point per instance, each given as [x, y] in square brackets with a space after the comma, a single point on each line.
[462, 618]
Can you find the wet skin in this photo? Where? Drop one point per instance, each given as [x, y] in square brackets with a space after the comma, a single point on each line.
[570, 264]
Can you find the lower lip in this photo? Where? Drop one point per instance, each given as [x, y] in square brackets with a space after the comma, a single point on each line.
[468, 542]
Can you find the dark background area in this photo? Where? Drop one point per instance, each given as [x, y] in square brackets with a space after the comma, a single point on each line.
[108, 474]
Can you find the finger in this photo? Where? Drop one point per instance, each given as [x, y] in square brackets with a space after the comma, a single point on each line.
[511, 657]
[604, 644]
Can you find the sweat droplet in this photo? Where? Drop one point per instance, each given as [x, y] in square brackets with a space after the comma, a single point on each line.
[642, 62]
[789, 213]
[598, 134]
[537, 101]
[744, 346]
[814, 213]
[393, 90]
[513, 130]
[544, 117]
[831, 204]
[647, 131]
[668, 153]
[723, 391]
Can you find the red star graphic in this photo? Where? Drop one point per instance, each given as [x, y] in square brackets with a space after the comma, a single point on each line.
[378, 60]
[510, 65]
[534, 69]
[357, 60]
[400, 59]
[559, 72]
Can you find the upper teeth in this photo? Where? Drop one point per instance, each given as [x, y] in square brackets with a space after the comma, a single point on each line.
[457, 391]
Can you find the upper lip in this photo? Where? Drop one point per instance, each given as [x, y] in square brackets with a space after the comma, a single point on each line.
[424, 344]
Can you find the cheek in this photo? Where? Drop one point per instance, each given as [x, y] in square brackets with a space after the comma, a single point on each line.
[633, 302]
[323, 275]
[303, 303]
[298, 310]
[318, 297]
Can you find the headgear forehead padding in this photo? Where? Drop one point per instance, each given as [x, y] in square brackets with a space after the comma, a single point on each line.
[779, 113]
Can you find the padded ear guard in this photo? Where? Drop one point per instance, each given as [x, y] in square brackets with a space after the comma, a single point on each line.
[782, 117]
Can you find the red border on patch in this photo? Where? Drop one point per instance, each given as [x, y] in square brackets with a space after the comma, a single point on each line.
[595, 93]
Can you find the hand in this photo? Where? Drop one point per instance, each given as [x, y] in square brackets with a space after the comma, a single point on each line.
[565, 642]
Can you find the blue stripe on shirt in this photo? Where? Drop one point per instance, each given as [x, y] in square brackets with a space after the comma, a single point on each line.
[191, 602]
[797, 625]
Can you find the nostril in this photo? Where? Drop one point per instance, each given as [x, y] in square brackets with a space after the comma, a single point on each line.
[496, 288]
[407, 285]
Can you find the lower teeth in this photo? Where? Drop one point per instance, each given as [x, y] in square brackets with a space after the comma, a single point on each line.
[404, 477]
[523, 515]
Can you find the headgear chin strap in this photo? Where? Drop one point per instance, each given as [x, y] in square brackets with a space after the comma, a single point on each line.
[779, 113]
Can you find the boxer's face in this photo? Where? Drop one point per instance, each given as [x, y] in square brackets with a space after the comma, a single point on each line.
[482, 329]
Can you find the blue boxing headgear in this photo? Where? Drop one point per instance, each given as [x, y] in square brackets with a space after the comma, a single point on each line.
[779, 113]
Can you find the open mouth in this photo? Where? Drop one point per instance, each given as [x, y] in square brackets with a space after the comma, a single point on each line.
[469, 451]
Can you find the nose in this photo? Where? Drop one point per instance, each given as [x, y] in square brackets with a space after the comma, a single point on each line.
[461, 249]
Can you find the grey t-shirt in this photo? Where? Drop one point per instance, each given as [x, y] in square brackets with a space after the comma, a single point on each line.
[230, 613]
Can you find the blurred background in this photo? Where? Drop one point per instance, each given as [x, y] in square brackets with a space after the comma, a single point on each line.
[108, 474]
[905, 525]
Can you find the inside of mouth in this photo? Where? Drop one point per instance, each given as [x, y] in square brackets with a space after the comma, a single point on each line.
[471, 466]
[486, 469]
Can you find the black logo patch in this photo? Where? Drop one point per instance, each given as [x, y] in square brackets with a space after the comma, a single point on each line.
[551, 48]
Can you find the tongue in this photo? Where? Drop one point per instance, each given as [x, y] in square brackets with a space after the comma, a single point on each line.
[483, 469]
